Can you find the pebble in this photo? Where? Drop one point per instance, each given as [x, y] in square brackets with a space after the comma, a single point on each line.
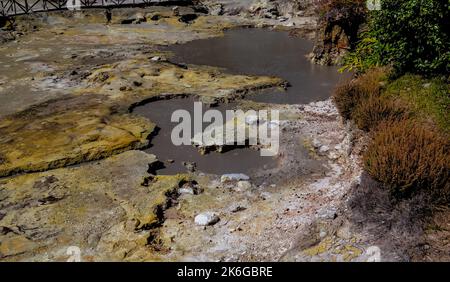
[186, 190]
[316, 143]
[323, 149]
[207, 218]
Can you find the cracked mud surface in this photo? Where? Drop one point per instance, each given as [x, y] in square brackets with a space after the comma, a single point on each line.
[67, 91]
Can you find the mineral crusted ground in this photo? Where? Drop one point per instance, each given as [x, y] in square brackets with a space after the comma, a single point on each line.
[67, 88]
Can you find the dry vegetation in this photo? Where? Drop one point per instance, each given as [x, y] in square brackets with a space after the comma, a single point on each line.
[409, 151]
[410, 157]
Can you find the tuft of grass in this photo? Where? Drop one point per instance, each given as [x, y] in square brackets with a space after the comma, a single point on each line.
[375, 109]
[350, 93]
[409, 157]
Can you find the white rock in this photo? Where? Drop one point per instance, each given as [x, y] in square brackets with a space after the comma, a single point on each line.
[156, 59]
[316, 143]
[338, 147]
[186, 190]
[323, 149]
[207, 218]
[234, 177]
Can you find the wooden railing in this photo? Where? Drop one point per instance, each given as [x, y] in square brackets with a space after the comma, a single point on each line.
[20, 7]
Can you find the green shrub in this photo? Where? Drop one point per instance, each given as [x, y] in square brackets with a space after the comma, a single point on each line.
[410, 157]
[411, 35]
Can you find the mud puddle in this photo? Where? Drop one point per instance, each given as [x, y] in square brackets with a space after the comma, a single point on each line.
[242, 51]
[242, 160]
[268, 53]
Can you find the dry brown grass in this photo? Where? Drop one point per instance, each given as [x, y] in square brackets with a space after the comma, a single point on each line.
[371, 111]
[410, 157]
[346, 96]
[349, 94]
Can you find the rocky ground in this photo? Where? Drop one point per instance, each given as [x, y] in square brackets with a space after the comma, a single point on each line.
[73, 175]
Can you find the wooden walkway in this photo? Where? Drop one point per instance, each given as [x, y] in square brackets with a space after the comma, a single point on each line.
[20, 7]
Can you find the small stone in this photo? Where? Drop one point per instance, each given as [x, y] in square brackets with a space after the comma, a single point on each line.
[170, 161]
[316, 143]
[156, 59]
[323, 149]
[234, 177]
[186, 190]
[206, 219]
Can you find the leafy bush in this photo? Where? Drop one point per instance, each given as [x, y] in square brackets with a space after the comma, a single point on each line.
[375, 109]
[410, 157]
[411, 35]
[362, 57]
